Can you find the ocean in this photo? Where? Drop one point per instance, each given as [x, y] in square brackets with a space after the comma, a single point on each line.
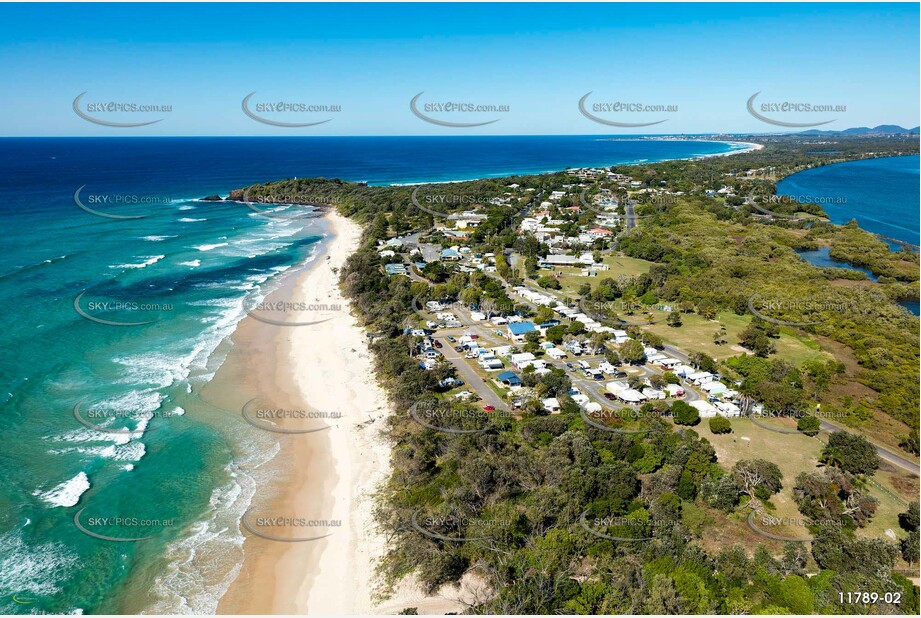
[881, 194]
[105, 432]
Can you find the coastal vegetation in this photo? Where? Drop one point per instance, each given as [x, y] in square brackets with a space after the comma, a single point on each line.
[553, 514]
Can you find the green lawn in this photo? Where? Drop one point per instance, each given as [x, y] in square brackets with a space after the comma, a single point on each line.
[793, 453]
[696, 335]
[618, 265]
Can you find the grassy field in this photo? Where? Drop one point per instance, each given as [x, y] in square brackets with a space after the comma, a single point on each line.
[794, 454]
[696, 335]
[617, 265]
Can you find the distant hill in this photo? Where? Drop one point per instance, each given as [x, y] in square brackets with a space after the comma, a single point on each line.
[883, 129]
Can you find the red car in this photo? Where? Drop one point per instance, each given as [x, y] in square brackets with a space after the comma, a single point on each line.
[437, 344]
[489, 408]
[609, 396]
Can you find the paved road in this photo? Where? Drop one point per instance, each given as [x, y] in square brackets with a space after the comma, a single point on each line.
[630, 215]
[470, 377]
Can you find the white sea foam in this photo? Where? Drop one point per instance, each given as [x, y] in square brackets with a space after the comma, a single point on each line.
[204, 564]
[67, 493]
[189, 220]
[155, 238]
[33, 569]
[129, 451]
[192, 263]
[148, 260]
[210, 247]
[187, 207]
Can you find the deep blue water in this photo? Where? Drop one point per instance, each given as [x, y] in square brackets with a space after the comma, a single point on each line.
[222, 163]
[881, 194]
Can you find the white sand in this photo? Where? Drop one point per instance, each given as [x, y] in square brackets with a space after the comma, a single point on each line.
[333, 371]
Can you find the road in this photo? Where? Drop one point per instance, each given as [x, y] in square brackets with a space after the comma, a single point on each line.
[884, 453]
[595, 389]
[470, 377]
[630, 216]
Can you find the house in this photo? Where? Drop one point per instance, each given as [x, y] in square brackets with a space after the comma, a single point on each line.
[599, 232]
[551, 405]
[467, 219]
[674, 390]
[558, 260]
[522, 360]
[630, 395]
[727, 408]
[652, 393]
[581, 399]
[491, 363]
[684, 370]
[616, 387]
[556, 353]
[450, 255]
[620, 336]
[477, 316]
[714, 388]
[668, 363]
[556, 195]
[509, 378]
[700, 377]
[517, 331]
[395, 269]
[704, 408]
[607, 368]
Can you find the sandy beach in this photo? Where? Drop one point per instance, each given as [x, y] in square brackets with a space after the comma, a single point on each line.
[325, 478]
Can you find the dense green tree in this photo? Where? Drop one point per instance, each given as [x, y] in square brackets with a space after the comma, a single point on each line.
[684, 414]
[720, 424]
[850, 452]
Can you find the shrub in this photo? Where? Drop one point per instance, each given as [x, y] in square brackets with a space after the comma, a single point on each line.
[720, 424]
[684, 413]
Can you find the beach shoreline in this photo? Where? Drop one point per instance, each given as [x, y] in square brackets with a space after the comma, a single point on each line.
[329, 475]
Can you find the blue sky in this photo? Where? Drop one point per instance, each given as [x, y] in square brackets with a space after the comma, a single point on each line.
[371, 59]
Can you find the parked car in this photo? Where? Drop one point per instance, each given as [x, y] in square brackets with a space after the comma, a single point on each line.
[609, 396]
[437, 344]
[452, 339]
[570, 366]
[489, 408]
[458, 348]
